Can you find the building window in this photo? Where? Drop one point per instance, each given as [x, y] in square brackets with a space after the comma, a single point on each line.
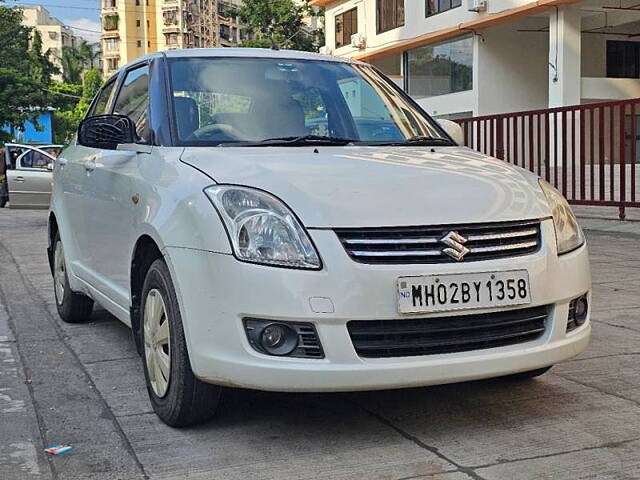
[110, 22]
[346, 25]
[138, 23]
[111, 44]
[623, 59]
[113, 64]
[139, 43]
[171, 38]
[436, 6]
[390, 15]
[440, 69]
[109, 3]
[137, 3]
[224, 31]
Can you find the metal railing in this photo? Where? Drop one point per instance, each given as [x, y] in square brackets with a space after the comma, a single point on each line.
[589, 152]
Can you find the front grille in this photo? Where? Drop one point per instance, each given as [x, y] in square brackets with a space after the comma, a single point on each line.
[405, 245]
[309, 343]
[460, 333]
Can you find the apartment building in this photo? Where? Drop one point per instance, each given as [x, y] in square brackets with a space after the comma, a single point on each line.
[54, 33]
[459, 58]
[133, 28]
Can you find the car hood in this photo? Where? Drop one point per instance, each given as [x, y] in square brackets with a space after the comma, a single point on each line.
[379, 186]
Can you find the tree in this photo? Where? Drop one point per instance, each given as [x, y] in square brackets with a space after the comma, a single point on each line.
[72, 65]
[87, 54]
[276, 24]
[72, 102]
[25, 72]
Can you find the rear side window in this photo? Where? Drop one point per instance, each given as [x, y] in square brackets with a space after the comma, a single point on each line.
[133, 101]
[101, 104]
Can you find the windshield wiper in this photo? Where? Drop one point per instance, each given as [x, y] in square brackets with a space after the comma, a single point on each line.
[292, 141]
[418, 140]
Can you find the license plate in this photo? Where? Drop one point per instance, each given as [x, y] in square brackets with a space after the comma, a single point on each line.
[440, 293]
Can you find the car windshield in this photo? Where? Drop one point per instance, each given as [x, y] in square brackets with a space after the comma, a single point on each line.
[248, 101]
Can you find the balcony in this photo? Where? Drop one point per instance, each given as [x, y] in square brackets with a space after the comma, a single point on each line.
[110, 22]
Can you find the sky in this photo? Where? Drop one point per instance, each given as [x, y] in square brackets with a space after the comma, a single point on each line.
[82, 15]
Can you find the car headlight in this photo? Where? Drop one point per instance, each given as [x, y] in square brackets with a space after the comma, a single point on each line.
[569, 235]
[262, 229]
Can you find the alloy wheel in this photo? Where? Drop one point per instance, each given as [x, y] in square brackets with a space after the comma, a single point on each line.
[157, 344]
[59, 272]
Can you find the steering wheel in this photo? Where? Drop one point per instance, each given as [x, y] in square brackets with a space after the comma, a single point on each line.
[215, 131]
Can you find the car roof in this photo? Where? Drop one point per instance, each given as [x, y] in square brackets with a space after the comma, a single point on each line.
[225, 52]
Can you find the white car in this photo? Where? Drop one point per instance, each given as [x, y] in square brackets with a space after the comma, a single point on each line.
[292, 222]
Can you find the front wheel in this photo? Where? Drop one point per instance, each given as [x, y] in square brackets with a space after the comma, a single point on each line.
[72, 307]
[177, 396]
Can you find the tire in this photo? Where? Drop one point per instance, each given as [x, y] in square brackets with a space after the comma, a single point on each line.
[72, 307]
[529, 375]
[177, 396]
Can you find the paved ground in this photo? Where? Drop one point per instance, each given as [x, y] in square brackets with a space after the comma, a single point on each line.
[83, 385]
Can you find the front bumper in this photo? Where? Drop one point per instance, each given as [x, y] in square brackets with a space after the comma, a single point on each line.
[216, 292]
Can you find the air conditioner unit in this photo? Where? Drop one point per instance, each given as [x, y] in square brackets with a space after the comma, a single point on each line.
[324, 50]
[477, 6]
[358, 41]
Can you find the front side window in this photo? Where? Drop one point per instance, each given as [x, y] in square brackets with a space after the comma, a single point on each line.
[441, 69]
[220, 101]
[35, 159]
[437, 6]
[133, 101]
[102, 102]
[346, 25]
[390, 14]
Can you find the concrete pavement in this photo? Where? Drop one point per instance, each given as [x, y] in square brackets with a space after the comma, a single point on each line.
[83, 385]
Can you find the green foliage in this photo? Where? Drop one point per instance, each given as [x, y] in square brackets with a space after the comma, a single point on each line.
[25, 72]
[72, 102]
[72, 65]
[277, 24]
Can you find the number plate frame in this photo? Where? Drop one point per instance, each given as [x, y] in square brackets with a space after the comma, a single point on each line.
[484, 298]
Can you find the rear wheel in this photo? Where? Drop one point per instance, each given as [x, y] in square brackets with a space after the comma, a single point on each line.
[177, 396]
[530, 374]
[72, 307]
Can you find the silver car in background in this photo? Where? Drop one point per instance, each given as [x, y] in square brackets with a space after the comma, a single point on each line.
[28, 174]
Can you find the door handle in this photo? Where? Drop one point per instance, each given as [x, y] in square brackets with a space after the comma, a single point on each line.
[62, 161]
[89, 165]
[20, 179]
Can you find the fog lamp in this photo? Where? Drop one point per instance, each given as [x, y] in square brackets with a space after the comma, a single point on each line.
[278, 339]
[582, 307]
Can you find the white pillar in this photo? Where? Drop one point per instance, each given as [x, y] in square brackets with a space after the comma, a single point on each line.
[564, 56]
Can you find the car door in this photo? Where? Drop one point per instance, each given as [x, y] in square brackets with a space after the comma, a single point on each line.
[111, 181]
[29, 183]
[71, 181]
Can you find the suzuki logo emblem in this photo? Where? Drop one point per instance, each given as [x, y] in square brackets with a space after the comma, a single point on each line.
[455, 243]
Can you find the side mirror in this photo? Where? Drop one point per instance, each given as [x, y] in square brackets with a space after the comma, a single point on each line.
[454, 130]
[106, 131]
[50, 167]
